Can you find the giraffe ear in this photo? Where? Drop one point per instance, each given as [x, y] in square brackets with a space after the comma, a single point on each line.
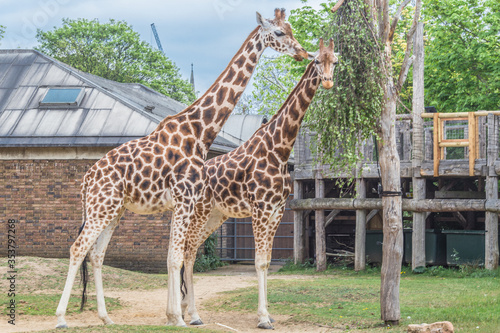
[331, 45]
[283, 14]
[262, 21]
[277, 14]
[311, 56]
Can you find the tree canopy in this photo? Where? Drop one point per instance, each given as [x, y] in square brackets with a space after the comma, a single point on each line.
[114, 51]
[462, 55]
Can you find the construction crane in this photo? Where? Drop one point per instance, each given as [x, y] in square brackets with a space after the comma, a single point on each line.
[157, 38]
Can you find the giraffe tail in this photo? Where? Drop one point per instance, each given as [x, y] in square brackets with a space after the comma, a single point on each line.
[83, 268]
[183, 283]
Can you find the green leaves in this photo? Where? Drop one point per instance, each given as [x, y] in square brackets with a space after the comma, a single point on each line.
[114, 51]
[2, 31]
[348, 114]
[462, 55]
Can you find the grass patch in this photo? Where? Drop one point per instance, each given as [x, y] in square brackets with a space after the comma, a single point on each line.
[343, 298]
[45, 305]
[50, 274]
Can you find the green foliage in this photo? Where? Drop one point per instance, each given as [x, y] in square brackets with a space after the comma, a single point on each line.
[348, 113]
[114, 51]
[291, 267]
[208, 260]
[2, 31]
[462, 55]
[275, 77]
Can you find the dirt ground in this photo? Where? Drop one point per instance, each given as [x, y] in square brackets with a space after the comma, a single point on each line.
[148, 307]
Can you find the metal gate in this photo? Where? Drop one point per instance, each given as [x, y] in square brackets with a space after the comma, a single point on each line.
[235, 241]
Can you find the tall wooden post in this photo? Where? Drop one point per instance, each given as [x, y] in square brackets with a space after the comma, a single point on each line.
[491, 218]
[419, 188]
[320, 226]
[359, 244]
[298, 226]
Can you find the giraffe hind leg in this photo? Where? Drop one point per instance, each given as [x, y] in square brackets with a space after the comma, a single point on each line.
[91, 231]
[97, 253]
[263, 253]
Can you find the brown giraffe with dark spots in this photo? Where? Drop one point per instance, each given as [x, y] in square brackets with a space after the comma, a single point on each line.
[253, 180]
[164, 170]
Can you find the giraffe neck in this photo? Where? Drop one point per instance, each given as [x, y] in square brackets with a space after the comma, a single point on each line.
[285, 124]
[208, 113]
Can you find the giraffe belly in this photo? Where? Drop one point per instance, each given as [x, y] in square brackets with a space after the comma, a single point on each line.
[243, 209]
[157, 203]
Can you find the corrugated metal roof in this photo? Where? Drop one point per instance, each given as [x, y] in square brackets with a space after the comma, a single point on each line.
[109, 114]
[240, 127]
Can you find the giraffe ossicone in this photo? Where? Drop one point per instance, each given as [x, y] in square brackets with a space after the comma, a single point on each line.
[164, 170]
[253, 180]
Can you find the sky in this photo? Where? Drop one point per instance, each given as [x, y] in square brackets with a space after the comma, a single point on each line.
[205, 33]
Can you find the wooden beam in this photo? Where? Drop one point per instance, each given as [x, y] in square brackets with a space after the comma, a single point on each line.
[491, 189]
[460, 114]
[359, 241]
[437, 155]
[459, 195]
[331, 216]
[472, 143]
[418, 183]
[422, 205]
[320, 227]
[298, 226]
[372, 213]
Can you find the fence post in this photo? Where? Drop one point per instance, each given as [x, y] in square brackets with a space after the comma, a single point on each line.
[419, 186]
[360, 239]
[320, 225]
[298, 225]
[491, 218]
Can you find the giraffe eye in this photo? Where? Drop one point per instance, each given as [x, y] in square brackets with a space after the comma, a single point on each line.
[316, 61]
[279, 33]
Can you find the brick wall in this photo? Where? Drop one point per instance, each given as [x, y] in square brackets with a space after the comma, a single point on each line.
[44, 197]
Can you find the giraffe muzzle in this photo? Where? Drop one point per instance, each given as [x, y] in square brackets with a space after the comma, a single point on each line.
[327, 83]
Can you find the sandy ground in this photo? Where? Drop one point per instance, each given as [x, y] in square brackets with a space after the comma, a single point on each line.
[148, 307]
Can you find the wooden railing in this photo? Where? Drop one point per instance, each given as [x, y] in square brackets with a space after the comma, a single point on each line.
[440, 141]
[472, 129]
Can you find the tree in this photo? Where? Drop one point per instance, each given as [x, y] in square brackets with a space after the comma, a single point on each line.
[462, 60]
[2, 31]
[114, 51]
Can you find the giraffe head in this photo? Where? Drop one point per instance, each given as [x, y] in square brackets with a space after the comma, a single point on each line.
[324, 61]
[278, 35]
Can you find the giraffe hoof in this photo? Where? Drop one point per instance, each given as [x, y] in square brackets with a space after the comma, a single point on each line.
[266, 326]
[196, 322]
[62, 325]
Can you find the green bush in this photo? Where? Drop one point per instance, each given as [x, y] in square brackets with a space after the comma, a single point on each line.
[208, 260]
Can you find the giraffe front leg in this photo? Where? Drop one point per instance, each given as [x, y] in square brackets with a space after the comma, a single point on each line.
[183, 213]
[261, 266]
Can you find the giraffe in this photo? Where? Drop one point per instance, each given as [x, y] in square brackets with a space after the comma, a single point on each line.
[253, 180]
[164, 170]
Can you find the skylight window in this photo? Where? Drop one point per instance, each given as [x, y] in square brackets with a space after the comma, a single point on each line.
[63, 97]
